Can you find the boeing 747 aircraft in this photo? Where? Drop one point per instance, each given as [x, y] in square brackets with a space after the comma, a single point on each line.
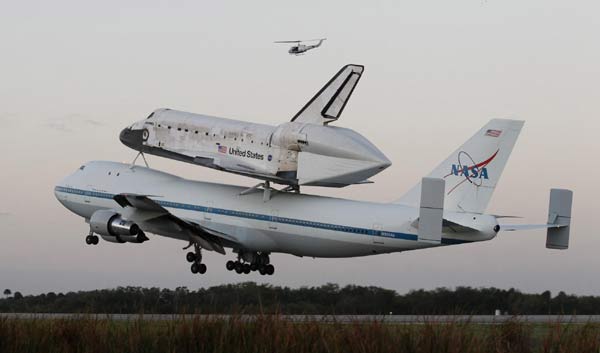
[125, 203]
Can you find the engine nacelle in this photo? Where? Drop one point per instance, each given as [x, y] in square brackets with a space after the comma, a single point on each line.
[113, 228]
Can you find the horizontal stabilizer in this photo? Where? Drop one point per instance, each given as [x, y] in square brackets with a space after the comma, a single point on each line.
[431, 210]
[519, 227]
[559, 220]
[329, 103]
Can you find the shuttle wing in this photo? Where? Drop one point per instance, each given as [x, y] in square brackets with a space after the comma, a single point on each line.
[329, 103]
[143, 209]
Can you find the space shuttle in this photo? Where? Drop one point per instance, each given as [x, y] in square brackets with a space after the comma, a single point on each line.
[308, 150]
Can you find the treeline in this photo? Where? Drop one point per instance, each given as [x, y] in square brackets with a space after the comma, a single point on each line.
[252, 298]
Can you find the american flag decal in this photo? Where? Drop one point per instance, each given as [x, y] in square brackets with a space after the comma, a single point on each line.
[222, 149]
[493, 133]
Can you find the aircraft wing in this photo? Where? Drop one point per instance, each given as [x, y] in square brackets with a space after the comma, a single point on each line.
[329, 103]
[141, 208]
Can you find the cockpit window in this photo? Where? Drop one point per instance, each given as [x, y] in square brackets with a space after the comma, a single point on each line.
[149, 116]
[82, 167]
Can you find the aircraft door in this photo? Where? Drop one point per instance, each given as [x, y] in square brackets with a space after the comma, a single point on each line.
[377, 238]
[208, 213]
[87, 195]
[273, 219]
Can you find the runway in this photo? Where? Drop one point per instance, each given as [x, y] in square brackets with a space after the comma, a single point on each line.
[345, 319]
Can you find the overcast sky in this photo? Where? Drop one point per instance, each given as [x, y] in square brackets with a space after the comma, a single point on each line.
[74, 73]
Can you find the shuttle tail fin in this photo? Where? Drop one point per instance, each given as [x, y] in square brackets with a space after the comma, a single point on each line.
[474, 169]
[329, 103]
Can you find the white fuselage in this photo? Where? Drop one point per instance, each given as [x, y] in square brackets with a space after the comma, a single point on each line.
[299, 224]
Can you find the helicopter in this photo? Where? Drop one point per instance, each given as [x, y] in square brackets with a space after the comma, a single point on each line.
[300, 48]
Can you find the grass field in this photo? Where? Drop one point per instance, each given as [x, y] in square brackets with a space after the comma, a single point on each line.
[272, 334]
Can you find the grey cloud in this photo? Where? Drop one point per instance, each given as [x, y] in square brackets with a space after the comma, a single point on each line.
[73, 122]
[8, 118]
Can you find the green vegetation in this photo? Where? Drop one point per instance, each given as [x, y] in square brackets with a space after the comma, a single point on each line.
[251, 298]
[273, 334]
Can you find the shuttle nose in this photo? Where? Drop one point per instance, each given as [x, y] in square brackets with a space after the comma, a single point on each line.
[132, 138]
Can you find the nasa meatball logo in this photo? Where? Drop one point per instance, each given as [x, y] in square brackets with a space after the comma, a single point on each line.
[269, 158]
[469, 170]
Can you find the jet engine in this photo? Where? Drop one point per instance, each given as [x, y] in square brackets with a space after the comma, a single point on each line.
[113, 228]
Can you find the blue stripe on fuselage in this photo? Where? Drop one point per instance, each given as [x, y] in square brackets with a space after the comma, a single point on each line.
[266, 218]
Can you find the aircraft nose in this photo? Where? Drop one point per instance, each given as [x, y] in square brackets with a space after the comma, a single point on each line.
[60, 189]
[132, 138]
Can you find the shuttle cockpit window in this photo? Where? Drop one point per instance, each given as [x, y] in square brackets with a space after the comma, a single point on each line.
[82, 167]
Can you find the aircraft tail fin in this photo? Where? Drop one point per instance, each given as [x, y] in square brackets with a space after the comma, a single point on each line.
[474, 169]
[329, 103]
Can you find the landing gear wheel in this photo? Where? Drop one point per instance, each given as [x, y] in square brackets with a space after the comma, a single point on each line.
[195, 268]
[269, 269]
[262, 270]
[239, 268]
[89, 240]
[230, 265]
[201, 268]
[246, 269]
[190, 257]
[95, 240]
[253, 267]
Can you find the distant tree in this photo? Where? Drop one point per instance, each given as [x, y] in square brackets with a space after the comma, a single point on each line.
[7, 292]
[18, 295]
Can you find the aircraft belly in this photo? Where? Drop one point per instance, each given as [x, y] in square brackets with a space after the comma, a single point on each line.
[300, 241]
[336, 245]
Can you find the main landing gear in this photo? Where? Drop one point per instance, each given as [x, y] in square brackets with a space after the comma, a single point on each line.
[92, 239]
[196, 259]
[249, 262]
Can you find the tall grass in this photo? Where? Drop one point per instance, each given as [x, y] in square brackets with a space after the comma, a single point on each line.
[274, 334]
